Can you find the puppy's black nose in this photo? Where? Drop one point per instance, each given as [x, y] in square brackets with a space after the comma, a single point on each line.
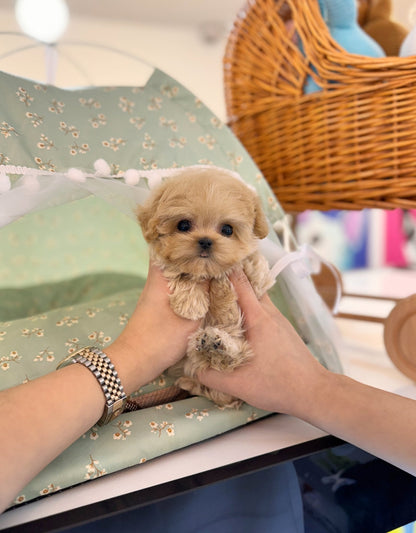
[205, 243]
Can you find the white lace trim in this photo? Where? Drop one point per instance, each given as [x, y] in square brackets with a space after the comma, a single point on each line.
[305, 262]
[131, 176]
[36, 189]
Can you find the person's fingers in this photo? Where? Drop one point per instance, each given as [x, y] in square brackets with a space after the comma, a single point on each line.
[155, 276]
[246, 296]
[269, 306]
[156, 286]
[247, 299]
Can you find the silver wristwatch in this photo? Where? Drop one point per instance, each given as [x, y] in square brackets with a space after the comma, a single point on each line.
[103, 369]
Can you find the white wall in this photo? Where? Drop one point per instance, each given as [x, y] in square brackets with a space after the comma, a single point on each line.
[178, 50]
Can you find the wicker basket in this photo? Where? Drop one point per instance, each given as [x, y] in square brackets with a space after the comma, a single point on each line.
[351, 145]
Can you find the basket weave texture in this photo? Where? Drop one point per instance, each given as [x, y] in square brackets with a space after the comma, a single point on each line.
[351, 145]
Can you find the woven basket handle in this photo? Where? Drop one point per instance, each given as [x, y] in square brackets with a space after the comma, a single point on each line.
[321, 51]
[274, 46]
[332, 63]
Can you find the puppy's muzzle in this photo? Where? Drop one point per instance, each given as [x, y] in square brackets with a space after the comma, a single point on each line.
[205, 245]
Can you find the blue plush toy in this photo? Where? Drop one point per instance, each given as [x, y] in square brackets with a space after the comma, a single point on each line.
[341, 19]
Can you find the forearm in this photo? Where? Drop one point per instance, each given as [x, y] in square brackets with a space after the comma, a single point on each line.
[284, 377]
[40, 419]
[377, 421]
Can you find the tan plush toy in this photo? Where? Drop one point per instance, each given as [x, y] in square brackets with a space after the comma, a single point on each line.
[374, 18]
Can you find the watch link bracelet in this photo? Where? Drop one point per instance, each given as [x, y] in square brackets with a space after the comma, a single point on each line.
[103, 369]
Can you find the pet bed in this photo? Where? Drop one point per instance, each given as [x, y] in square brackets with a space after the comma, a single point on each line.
[73, 166]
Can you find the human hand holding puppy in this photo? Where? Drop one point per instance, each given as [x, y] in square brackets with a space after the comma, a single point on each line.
[144, 351]
[284, 377]
[281, 376]
[282, 371]
[64, 404]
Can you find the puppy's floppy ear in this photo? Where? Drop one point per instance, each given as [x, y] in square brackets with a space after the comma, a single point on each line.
[147, 214]
[147, 221]
[261, 227]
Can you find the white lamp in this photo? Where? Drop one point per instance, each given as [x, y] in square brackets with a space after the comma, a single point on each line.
[44, 20]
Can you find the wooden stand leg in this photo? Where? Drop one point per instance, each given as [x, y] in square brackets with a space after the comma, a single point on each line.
[400, 336]
[399, 326]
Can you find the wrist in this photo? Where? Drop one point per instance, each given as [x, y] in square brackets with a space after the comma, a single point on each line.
[314, 394]
[133, 365]
[106, 375]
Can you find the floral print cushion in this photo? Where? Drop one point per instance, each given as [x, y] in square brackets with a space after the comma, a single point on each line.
[45, 128]
[160, 125]
[84, 233]
[31, 347]
[48, 257]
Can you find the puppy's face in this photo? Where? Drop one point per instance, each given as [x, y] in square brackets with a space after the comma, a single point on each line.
[202, 222]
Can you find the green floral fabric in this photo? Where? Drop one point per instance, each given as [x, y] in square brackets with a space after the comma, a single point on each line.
[31, 347]
[160, 125]
[71, 274]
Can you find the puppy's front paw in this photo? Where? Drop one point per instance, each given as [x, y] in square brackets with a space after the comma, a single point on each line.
[189, 306]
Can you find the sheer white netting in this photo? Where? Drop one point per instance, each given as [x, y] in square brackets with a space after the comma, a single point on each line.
[24, 190]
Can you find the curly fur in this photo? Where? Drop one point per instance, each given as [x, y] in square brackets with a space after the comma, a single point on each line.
[200, 225]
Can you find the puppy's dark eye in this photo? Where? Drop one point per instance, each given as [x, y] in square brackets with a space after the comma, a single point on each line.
[227, 230]
[184, 225]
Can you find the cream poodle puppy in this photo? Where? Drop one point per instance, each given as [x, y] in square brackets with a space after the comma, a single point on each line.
[200, 224]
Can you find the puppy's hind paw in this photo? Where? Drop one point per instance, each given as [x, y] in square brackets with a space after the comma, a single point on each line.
[208, 343]
[191, 385]
[214, 348]
[197, 389]
[223, 400]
